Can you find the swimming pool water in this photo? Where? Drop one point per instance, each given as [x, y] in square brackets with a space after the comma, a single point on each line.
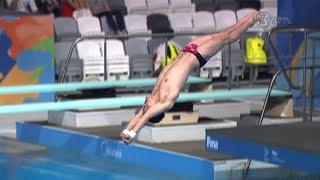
[52, 164]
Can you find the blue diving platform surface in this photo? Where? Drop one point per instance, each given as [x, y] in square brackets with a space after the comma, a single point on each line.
[293, 146]
[189, 167]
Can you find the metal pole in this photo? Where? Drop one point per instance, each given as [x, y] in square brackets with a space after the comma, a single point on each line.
[304, 90]
[105, 58]
[230, 67]
[68, 60]
[311, 104]
[267, 97]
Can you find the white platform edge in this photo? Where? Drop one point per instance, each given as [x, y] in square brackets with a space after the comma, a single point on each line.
[90, 119]
[180, 133]
[119, 116]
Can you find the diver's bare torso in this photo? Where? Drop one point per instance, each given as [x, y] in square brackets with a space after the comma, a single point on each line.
[168, 85]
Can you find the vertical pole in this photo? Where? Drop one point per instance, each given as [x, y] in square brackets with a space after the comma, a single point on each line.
[230, 67]
[304, 89]
[105, 58]
[311, 103]
[66, 64]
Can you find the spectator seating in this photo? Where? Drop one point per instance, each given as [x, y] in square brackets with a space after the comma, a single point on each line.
[66, 29]
[203, 21]
[74, 73]
[213, 68]
[141, 65]
[181, 22]
[182, 6]
[117, 62]
[89, 25]
[137, 7]
[154, 44]
[159, 23]
[237, 63]
[136, 24]
[158, 6]
[224, 18]
[254, 4]
[90, 52]
[182, 41]
[205, 5]
[226, 5]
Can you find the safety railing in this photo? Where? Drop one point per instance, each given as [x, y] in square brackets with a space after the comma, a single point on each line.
[305, 31]
[283, 70]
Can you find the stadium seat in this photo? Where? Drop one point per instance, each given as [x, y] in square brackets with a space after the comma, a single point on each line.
[224, 19]
[89, 25]
[137, 7]
[136, 46]
[90, 52]
[74, 73]
[203, 21]
[254, 4]
[213, 68]
[159, 23]
[237, 63]
[136, 24]
[66, 29]
[140, 60]
[182, 41]
[158, 6]
[181, 22]
[154, 44]
[117, 61]
[205, 5]
[182, 6]
[227, 5]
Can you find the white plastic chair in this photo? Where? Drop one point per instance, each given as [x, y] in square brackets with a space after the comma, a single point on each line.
[136, 7]
[158, 6]
[136, 24]
[117, 62]
[89, 49]
[182, 6]
[93, 63]
[213, 68]
[203, 21]
[224, 19]
[89, 25]
[181, 22]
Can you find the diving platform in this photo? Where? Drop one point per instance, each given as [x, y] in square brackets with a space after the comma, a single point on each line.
[289, 145]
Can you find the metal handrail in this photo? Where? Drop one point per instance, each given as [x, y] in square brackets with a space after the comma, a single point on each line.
[266, 100]
[305, 30]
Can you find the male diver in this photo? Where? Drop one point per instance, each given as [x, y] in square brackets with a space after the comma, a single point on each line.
[172, 78]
